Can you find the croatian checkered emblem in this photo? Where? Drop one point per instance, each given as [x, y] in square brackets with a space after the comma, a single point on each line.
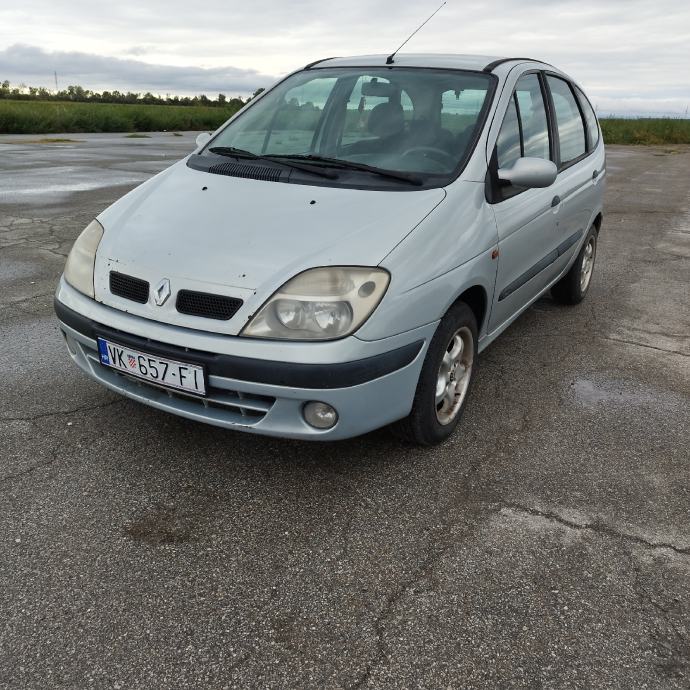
[132, 361]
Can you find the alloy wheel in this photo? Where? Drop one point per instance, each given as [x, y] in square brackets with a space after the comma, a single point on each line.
[588, 263]
[454, 375]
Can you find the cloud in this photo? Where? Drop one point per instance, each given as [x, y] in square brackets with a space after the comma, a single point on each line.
[626, 53]
[36, 66]
[138, 50]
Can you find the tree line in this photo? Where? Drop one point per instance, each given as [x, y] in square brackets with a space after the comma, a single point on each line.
[82, 95]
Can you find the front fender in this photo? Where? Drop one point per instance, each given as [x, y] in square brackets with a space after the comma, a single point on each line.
[448, 253]
[427, 303]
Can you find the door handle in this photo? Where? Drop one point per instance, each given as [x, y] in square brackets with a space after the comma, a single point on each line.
[595, 174]
[555, 201]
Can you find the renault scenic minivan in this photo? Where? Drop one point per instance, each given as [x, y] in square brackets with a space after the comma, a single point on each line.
[335, 257]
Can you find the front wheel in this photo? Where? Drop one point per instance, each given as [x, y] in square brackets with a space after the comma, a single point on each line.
[573, 286]
[444, 381]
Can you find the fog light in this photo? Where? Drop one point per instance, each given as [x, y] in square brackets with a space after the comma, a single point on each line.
[320, 415]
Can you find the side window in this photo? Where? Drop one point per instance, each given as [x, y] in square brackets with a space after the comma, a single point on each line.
[590, 119]
[535, 125]
[525, 130]
[508, 146]
[571, 129]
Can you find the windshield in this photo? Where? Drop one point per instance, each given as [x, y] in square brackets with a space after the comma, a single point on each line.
[409, 120]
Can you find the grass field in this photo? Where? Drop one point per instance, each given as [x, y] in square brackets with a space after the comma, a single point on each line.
[47, 117]
[647, 131]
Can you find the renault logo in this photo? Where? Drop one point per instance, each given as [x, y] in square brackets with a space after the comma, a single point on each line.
[161, 292]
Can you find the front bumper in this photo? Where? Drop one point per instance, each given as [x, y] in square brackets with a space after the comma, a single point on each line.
[370, 384]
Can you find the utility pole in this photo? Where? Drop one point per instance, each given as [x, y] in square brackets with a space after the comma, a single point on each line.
[56, 84]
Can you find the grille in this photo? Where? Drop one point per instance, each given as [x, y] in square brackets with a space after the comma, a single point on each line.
[251, 172]
[206, 305]
[253, 407]
[129, 287]
[223, 405]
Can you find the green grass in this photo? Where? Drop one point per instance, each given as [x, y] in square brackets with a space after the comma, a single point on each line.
[646, 131]
[51, 140]
[43, 117]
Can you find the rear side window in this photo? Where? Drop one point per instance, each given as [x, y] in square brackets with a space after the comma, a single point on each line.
[590, 119]
[571, 129]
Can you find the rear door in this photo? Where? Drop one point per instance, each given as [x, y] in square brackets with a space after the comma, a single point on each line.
[525, 218]
[577, 170]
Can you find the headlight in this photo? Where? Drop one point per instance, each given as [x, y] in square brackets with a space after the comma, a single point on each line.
[81, 260]
[320, 304]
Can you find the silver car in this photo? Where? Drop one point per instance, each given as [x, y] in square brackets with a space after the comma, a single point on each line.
[334, 258]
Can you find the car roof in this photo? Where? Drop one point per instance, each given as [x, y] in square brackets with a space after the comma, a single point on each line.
[445, 61]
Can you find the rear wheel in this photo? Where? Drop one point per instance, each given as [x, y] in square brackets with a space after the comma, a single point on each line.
[573, 286]
[444, 381]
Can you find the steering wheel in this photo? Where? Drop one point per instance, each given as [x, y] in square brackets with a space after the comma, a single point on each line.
[433, 153]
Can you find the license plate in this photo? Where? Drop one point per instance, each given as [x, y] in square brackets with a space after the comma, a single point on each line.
[165, 372]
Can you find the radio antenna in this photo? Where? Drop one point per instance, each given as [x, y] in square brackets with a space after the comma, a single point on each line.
[389, 59]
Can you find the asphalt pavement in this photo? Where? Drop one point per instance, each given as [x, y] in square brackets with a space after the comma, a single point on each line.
[546, 545]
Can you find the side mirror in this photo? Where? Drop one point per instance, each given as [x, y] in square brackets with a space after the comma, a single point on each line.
[202, 139]
[530, 172]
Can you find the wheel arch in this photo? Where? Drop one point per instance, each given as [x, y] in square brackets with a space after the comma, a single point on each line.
[598, 220]
[477, 299]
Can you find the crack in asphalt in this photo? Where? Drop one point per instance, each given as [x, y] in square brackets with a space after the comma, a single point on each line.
[596, 527]
[574, 336]
[650, 347]
[434, 555]
[17, 302]
[53, 451]
[421, 573]
[674, 651]
[33, 468]
[60, 255]
[646, 211]
[439, 545]
[59, 413]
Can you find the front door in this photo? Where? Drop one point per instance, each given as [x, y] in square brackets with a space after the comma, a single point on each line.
[526, 218]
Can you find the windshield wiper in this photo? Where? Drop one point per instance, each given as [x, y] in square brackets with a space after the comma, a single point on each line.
[232, 152]
[410, 178]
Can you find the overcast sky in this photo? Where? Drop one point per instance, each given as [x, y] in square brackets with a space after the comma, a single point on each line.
[630, 55]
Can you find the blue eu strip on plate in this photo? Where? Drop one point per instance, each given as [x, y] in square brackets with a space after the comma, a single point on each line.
[103, 351]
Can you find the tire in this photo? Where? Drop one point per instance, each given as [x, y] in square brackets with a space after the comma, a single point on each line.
[573, 287]
[431, 422]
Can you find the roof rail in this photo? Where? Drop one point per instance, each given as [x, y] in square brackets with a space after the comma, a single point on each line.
[493, 65]
[316, 62]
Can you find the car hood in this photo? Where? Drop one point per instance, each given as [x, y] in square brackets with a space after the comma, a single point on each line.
[243, 238]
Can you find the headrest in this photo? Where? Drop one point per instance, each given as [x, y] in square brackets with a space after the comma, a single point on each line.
[386, 119]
